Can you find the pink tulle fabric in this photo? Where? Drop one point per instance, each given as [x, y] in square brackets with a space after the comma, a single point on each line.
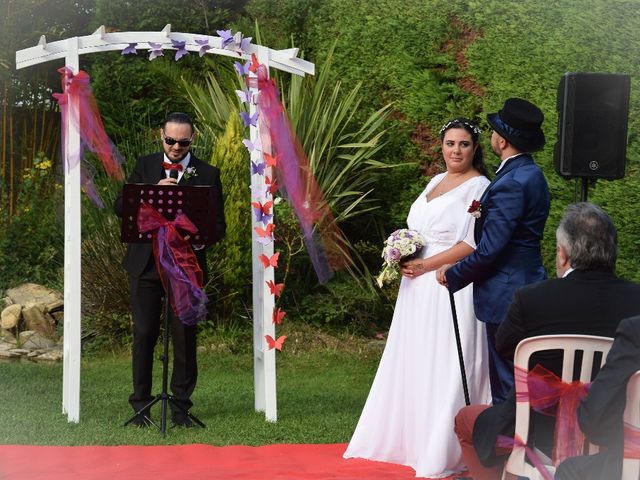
[177, 265]
[516, 442]
[323, 239]
[92, 133]
[548, 394]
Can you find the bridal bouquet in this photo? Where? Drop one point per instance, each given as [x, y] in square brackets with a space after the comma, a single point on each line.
[401, 245]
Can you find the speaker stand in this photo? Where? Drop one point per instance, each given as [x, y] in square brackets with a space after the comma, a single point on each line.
[584, 190]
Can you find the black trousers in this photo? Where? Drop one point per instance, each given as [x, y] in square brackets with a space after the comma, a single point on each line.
[147, 304]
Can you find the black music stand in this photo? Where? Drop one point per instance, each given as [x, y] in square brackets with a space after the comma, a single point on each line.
[198, 203]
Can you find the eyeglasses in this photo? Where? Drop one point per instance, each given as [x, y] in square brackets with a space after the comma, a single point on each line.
[172, 141]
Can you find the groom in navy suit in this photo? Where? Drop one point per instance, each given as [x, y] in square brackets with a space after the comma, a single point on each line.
[508, 229]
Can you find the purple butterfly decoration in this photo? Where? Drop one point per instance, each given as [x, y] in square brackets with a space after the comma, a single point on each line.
[179, 46]
[245, 96]
[261, 216]
[156, 50]
[249, 120]
[226, 36]
[242, 70]
[257, 168]
[244, 43]
[258, 191]
[130, 49]
[204, 45]
[240, 43]
[264, 240]
[251, 146]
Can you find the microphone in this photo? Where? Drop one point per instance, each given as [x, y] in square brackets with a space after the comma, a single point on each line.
[173, 174]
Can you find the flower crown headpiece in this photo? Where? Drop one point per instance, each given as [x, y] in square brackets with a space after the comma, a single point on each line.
[472, 126]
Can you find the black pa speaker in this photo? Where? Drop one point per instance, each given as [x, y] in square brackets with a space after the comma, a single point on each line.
[593, 110]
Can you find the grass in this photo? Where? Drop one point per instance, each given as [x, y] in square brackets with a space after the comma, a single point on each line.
[321, 392]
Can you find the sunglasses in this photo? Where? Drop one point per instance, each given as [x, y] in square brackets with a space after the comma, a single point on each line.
[172, 141]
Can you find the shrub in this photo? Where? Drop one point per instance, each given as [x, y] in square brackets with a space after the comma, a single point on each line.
[31, 242]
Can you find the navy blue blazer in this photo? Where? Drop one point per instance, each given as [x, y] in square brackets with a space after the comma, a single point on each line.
[514, 209]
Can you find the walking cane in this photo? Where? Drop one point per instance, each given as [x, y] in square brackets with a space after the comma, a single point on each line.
[459, 345]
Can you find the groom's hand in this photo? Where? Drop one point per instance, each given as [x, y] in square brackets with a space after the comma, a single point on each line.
[440, 275]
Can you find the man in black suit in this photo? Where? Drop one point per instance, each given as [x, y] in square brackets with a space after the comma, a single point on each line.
[176, 165]
[587, 298]
[600, 413]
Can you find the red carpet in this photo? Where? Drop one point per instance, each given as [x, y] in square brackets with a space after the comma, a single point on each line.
[190, 462]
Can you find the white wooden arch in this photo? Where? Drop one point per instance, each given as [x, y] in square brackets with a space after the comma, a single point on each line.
[263, 301]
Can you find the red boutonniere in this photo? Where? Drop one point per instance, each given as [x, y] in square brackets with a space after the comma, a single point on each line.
[475, 209]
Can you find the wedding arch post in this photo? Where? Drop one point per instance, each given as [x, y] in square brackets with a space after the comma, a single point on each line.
[70, 50]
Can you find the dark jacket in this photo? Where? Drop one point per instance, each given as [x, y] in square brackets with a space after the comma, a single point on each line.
[149, 170]
[585, 303]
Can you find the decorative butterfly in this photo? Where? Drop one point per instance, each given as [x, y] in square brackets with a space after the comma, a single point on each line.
[254, 64]
[276, 289]
[277, 344]
[204, 45]
[271, 161]
[129, 49]
[244, 96]
[242, 70]
[272, 185]
[251, 146]
[267, 231]
[269, 261]
[258, 190]
[244, 43]
[249, 120]
[155, 50]
[257, 168]
[277, 316]
[262, 211]
[225, 36]
[181, 51]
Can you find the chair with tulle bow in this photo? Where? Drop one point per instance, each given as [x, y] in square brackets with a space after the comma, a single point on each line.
[631, 465]
[589, 346]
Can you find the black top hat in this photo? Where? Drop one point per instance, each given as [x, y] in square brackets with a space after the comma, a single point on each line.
[519, 123]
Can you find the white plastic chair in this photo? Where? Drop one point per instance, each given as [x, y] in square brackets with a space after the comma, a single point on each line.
[630, 466]
[569, 344]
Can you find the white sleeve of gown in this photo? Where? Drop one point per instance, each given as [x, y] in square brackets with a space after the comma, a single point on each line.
[474, 193]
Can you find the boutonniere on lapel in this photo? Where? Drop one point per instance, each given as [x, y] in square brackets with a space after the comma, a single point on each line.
[189, 172]
[475, 209]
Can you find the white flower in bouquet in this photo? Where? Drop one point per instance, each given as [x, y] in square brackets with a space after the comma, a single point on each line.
[401, 245]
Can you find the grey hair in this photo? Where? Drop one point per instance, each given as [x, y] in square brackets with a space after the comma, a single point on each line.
[589, 237]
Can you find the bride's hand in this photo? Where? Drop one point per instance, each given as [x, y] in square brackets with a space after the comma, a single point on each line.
[413, 268]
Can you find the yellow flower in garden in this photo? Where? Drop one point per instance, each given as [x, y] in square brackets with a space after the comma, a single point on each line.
[43, 165]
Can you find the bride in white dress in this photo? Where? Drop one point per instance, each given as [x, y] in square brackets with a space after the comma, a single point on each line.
[409, 415]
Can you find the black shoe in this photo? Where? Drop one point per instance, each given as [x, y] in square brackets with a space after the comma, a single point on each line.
[143, 419]
[181, 419]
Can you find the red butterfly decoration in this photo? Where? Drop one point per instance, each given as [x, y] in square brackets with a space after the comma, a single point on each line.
[273, 185]
[270, 160]
[265, 207]
[266, 232]
[269, 262]
[254, 63]
[276, 289]
[278, 315]
[277, 344]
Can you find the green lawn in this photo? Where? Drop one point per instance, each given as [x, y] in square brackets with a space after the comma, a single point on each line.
[320, 395]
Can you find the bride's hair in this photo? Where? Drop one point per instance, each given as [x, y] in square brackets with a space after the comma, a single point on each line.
[474, 131]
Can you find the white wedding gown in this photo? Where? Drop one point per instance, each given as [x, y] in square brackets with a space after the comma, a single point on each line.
[409, 414]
